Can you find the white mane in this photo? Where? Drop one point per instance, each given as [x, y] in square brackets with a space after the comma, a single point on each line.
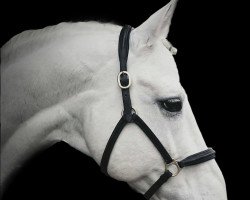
[31, 40]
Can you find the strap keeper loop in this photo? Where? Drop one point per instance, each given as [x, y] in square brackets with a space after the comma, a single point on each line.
[129, 115]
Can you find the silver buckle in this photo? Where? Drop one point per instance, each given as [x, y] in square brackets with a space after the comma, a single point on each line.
[177, 168]
[119, 80]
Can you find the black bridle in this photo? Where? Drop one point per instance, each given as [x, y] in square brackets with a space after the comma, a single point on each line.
[130, 116]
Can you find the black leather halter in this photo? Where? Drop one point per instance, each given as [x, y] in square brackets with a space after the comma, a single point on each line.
[130, 116]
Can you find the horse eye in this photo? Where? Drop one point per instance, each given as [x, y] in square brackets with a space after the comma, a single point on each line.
[172, 105]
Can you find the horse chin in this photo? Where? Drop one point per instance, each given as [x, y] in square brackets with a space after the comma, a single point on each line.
[169, 193]
[189, 185]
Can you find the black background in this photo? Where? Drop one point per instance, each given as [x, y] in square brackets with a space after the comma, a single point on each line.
[200, 30]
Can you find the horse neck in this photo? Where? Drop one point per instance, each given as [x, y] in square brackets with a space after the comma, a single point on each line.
[48, 118]
[54, 64]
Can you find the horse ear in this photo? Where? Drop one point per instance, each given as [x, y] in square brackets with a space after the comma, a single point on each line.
[157, 25]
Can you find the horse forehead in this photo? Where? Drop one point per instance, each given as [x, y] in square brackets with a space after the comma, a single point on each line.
[156, 66]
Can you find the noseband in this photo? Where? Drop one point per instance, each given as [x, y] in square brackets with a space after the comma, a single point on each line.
[130, 116]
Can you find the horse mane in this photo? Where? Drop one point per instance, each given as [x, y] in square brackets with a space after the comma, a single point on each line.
[30, 40]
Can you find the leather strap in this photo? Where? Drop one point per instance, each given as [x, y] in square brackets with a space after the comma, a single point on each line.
[163, 179]
[123, 50]
[198, 158]
[123, 47]
[143, 126]
[111, 143]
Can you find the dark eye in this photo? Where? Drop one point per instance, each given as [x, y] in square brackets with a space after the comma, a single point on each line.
[172, 105]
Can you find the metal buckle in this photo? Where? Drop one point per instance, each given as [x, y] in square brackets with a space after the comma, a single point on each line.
[173, 163]
[119, 80]
[173, 50]
[133, 111]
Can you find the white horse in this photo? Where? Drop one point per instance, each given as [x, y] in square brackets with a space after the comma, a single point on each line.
[60, 84]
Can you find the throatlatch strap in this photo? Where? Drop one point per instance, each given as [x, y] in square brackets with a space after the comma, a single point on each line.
[123, 49]
[110, 145]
